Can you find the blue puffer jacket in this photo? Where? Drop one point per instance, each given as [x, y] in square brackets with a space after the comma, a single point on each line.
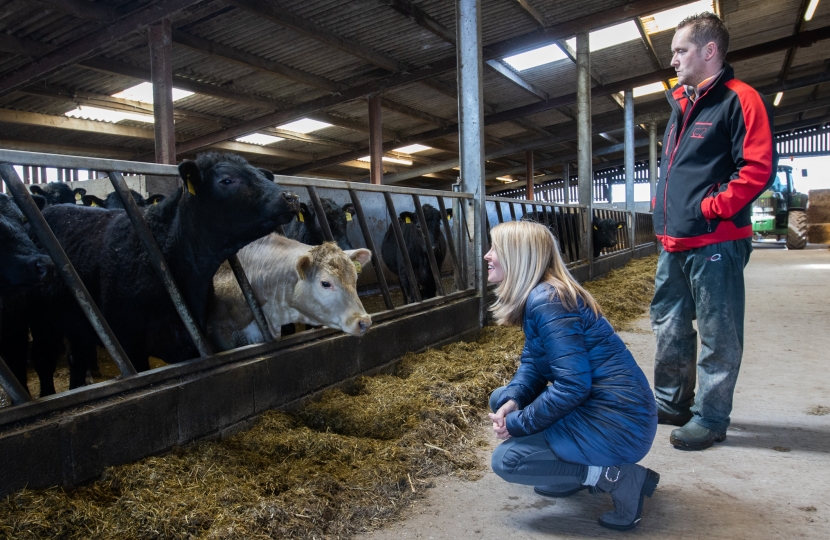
[599, 409]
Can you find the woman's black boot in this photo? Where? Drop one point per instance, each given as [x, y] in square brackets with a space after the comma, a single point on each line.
[628, 486]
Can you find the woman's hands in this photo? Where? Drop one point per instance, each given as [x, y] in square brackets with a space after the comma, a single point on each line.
[499, 425]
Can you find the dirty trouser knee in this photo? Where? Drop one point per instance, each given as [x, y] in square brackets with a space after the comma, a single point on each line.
[707, 282]
[530, 461]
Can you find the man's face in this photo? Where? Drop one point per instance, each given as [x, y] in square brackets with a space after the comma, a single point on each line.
[687, 59]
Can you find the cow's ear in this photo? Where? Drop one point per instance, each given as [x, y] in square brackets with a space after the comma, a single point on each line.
[191, 176]
[79, 193]
[36, 190]
[268, 174]
[349, 211]
[303, 265]
[92, 200]
[449, 213]
[155, 199]
[40, 201]
[359, 256]
[406, 217]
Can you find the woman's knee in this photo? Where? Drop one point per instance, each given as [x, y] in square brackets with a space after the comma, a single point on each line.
[504, 461]
[494, 397]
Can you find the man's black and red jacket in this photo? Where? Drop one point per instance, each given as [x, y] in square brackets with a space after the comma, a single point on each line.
[718, 157]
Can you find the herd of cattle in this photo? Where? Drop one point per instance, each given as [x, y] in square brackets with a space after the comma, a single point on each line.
[224, 207]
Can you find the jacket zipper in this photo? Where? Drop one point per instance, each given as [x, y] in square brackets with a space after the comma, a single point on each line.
[671, 159]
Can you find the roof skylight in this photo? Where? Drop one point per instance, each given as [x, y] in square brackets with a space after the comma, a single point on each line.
[666, 20]
[260, 139]
[613, 35]
[107, 115]
[388, 159]
[413, 148]
[647, 89]
[306, 125]
[144, 92]
[536, 57]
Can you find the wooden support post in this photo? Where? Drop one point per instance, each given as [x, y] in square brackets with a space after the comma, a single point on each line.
[529, 164]
[375, 140]
[161, 71]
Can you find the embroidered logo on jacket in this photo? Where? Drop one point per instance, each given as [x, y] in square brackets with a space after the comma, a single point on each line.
[700, 129]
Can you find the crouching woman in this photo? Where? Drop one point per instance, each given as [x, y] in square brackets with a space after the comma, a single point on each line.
[579, 412]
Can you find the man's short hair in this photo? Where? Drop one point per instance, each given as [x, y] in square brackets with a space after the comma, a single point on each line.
[705, 27]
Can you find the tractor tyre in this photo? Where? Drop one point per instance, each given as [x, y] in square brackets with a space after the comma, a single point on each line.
[797, 229]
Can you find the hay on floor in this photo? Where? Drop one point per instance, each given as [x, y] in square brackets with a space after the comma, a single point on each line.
[346, 463]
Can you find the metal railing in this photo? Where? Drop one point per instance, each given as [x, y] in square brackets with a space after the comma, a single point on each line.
[357, 193]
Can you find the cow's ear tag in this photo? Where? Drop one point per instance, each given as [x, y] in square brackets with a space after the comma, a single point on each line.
[190, 187]
[596, 228]
[408, 219]
[357, 266]
[93, 203]
[77, 196]
[349, 218]
[301, 219]
[619, 225]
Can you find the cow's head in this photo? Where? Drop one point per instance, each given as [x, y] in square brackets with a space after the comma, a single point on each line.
[433, 220]
[231, 202]
[328, 286]
[54, 193]
[21, 264]
[604, 234]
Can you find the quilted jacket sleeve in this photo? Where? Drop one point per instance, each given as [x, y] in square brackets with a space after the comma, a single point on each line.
[562, 336]
[526, 383]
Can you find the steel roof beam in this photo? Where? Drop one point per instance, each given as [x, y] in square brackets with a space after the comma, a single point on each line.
[799, 26]
[83, 9]
[90, 45]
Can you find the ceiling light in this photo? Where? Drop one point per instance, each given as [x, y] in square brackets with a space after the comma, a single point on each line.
[260, 139]
[647, 89]
[413, 148]
[670, 18]
[778, 97]
[106, 115]
[811, 9]
[536, 57]
[306, 125]
[144, 92]
[506, 179]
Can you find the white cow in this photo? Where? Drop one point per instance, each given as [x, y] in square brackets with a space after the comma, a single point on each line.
[293, 282]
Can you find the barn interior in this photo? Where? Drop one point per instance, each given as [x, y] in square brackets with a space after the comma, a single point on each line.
[550, 106]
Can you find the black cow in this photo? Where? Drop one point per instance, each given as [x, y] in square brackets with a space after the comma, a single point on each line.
[604, 234]
[113, 201]
[224, 205]
[566, 229]
[411, 229]
[22, 265]
[306, 228]
[57, 193]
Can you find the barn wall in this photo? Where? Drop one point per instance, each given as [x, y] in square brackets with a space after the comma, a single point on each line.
[67, 448]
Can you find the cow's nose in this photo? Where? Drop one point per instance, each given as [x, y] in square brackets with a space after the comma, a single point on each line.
[43, 268]
[364, 325]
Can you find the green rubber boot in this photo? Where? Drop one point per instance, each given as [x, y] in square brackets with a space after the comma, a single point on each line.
[628, 485]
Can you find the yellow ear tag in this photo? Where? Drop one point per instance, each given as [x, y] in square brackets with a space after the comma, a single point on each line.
[348, 216]
[190, 187]
[619, 226]
[77, 196]
[407, 220]
[596, 228]
[92, 203]
[300, 218]
[357, 266]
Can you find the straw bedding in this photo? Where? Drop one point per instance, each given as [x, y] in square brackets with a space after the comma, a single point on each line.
[346, 463]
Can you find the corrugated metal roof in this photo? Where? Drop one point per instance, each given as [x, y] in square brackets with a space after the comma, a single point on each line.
[377, 27]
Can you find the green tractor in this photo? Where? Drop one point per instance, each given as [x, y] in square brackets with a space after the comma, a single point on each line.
[781, 211]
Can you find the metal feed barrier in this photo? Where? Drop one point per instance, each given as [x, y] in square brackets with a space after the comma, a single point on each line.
[115, 169]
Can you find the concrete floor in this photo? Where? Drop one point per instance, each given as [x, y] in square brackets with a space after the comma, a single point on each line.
[769, 479]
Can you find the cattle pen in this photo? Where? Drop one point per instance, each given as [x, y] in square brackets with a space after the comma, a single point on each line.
[270, 375]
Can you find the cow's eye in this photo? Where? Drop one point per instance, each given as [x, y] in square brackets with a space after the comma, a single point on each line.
[325, 284]
[226, 181]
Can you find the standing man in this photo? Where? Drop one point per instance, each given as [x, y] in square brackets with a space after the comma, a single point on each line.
[718, 156]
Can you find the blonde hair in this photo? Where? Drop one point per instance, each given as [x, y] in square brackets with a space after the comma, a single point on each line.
[529, 254]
